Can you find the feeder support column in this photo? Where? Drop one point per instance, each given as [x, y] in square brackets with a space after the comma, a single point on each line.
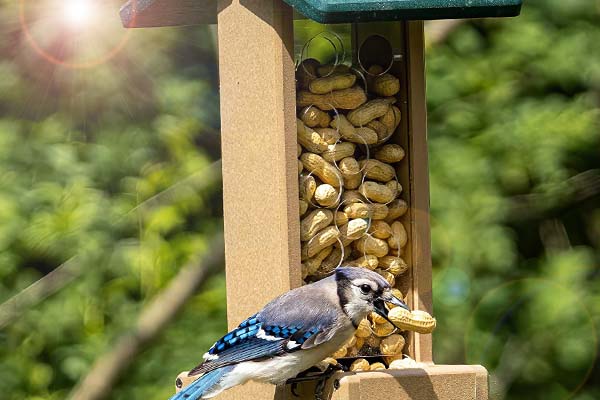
[260, 170]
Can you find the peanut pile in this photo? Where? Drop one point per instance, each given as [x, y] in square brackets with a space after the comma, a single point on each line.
[350, 196]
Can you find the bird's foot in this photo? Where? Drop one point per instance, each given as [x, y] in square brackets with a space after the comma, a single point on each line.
[320, 377]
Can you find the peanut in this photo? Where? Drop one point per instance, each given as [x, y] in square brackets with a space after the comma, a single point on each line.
[340, 218]
[377, 366]
[392, 345]
[373, 341]
[350, 170]
[303, 207]
[331, 261]
[300, 167]
[360, 364]
[391, 119]
[375, 191]
[364, 329]
[369, 111]
[386, 85]
[379, 128]
[341, 352]
[383, 330]
[346, 99]
[380, 229]
[366, 135]
[306, 72]
[417, 320]
[375, 169]
[397, 208]
[314, 222]
[376, 318]
[367, 261]
[395, 252]
[388, 276]
[353, 352]
[329, 135]
[309, 138]
[351, 342]
[399, 236]
[371, 245]
[324, 238]
[403, 363]
[313, 117]
[326, 195]
[338, 151]
[352, 134]
[329, 361]
[332, 82]
[321, 168]
[360, 342]
[362, 210]
[395, 187]
[307, 187]
[354, 229]
[329, 69]
[375, 69]
[311, 265]
[394, 265]
[390, 153]
[298, 149]
[352, 196]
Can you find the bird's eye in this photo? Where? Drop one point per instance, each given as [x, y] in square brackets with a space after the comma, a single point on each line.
[365, 289]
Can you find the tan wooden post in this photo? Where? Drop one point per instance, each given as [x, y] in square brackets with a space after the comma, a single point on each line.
[421, 297]
[260, 171]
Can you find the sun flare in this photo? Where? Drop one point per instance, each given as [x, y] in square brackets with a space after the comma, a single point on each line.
[78, 12]
[73, 33]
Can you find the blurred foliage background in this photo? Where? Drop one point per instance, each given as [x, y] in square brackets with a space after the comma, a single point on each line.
[106, 136]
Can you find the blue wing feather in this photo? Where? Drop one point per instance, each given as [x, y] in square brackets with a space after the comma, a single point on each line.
[200, 386]
[243, 344]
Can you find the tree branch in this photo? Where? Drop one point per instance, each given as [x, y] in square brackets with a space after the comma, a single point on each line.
[39, 290]
[571, 192]
[153, 319]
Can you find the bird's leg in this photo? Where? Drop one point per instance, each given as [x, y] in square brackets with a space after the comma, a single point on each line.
[324, 377]
[303, 376]
[320, 377]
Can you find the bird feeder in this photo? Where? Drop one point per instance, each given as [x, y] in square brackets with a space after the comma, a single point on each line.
[263, 46]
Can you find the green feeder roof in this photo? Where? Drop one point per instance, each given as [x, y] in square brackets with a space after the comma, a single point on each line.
[335, 11]
[143, 13]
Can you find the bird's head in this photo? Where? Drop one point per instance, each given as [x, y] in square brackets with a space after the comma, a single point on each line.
[362, 291]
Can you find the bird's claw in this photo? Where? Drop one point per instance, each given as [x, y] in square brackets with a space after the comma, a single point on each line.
[321, 379]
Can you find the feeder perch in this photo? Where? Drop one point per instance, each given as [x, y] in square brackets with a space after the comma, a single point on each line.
[261, 43]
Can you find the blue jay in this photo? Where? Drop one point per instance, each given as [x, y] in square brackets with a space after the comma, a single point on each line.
[292, 333]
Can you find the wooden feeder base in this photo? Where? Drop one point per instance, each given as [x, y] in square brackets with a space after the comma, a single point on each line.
[435, 382]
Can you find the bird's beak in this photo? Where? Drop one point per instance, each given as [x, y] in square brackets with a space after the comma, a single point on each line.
[382, 310]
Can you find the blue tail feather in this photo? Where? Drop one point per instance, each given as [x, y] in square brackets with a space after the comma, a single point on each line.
[200, 386]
